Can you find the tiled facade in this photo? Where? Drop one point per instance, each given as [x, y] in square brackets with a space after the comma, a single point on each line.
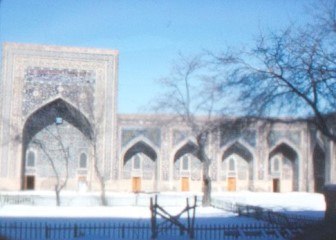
[59, 103]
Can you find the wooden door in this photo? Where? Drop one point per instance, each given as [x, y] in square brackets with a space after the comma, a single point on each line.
[136, 184]
[185, 184]
[30, 183]
[276, 185]
[232, 184]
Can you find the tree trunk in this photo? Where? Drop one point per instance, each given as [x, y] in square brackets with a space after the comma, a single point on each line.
[103, 200]
[100, 175]
[202, 140]
[58, 198]
[206, 201]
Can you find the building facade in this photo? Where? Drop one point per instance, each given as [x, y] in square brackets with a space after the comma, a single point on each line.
[59, 125]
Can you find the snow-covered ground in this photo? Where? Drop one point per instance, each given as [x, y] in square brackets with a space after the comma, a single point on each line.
[129, 207]
[291, 201]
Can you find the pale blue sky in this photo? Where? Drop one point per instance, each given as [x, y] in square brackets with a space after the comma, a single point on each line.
[148, 34]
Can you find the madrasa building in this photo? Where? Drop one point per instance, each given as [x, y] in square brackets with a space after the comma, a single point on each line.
[59, 122]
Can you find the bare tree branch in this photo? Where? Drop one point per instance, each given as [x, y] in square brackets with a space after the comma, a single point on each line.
[288, 73]
[189, 91]
[61, 182]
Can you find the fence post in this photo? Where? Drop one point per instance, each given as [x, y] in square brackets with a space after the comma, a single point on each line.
[188, 222]
[153, 209]
[75, 231]
[239, 210]
[47, 235]
[192, 233]
[123, 231]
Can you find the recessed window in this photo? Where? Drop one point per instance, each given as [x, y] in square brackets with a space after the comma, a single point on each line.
[185, 163]
[30, 161]
[276, 164]
[83, 160]
[136, 162]
[232, 164]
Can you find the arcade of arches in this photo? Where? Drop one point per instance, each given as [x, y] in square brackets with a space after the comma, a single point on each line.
[60, 122]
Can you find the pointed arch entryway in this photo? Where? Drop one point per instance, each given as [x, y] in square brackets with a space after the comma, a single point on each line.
[187, 167]
[237, 167]
[53, 128]
[284, 168]
[140, 165]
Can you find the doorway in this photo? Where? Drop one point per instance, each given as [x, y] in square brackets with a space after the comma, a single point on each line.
[30, 183]
[232, 184]
[82, 184]
[276, 185]
[185, 184]
[136, 184]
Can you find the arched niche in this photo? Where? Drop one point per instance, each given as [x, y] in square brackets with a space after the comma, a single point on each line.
[140, 163]
[47, 114]
[238, 149]
[237, 167]
[140, 147]
[289, 163]
[50, 115]
[187, 148]
[187, 151]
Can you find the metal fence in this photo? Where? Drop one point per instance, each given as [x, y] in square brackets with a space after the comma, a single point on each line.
[277, 226]
[281, 219]
[286, 220]
[16, 200]
[135, 231]
[50, 231]
[88, 199]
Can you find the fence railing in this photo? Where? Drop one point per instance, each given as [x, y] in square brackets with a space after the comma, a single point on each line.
[16, 200]
[290, 221]
[88, 199]
[279, 226]
[135, 231]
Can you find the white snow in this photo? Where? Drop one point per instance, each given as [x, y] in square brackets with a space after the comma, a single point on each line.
[138, 206]
[129, 207]
[291, 201]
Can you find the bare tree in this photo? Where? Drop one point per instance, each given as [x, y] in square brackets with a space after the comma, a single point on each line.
[324, 14]
[98, 165]
[55, 131]
[291, 72]
[101, 172]
[57, 155]
[188, 93]
[95, 136]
